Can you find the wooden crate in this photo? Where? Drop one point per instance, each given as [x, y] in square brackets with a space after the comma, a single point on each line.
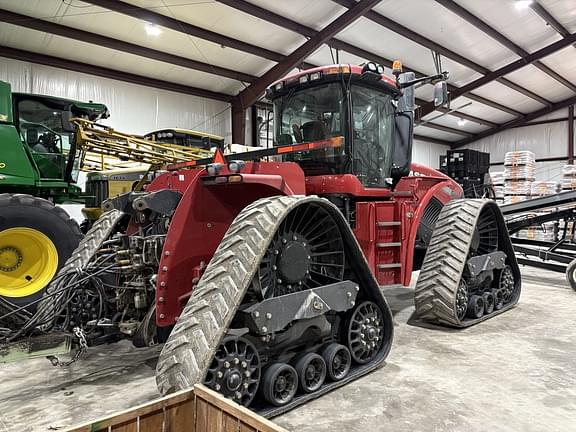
[197, 410]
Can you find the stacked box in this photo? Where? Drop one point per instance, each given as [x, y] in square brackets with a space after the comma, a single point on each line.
[468, 167]
[544, 188]
[519, 172]
[569, 177]
[497, 182]
[544, 232]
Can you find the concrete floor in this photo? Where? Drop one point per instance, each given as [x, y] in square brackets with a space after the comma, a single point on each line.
[516, 372]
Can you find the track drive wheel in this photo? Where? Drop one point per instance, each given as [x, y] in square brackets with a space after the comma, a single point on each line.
[36, 239]
[279, 384]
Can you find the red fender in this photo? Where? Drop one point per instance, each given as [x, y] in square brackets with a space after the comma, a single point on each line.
[201, 219]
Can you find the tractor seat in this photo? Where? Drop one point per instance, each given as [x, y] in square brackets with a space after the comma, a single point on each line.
[314, 131]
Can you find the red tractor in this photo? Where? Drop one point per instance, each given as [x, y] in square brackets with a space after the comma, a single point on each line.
[263, 277]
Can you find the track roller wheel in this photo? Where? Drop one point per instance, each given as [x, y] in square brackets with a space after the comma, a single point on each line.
[498, 299]
[311, 370]
[365, 332]
[476, 306]
[338, 361]
[488, 302]
[279, 384]
[235, 370]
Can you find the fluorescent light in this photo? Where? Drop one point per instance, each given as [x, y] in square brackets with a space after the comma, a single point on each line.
[462, 122]
[523, 4]
[152, 29]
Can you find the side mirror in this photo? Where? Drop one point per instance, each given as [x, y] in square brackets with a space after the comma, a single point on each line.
[440, 93]
[67, 125]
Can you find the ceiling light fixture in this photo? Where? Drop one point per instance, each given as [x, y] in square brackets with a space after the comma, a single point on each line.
[462, 122]
[152, 29]
[523, 4]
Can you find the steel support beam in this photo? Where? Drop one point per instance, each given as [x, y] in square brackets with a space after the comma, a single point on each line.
[493, 33]
[571, 134]
[184, 27]
[505, 70]
[432, 140]
[253, 92]
[119, 45]
[459, 114]
[430, 44]
[550, 20]
[519, 122]
[28, 56]
[446, 129]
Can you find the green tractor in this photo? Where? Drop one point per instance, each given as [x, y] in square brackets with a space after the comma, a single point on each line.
[38, 169]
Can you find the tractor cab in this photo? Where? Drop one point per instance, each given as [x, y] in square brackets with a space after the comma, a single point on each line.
[44, 126]
[369, 113]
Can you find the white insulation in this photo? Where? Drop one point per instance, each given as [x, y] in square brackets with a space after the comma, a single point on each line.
[547, 140]
[428, 153]
[134, 108]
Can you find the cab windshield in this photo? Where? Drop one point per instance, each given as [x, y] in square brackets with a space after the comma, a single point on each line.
[320, 112]
[42, 128]
[191, 139]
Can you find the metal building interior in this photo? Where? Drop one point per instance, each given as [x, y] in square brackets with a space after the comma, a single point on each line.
[471, 166]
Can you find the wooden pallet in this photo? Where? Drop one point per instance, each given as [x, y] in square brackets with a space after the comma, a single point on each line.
[197, 410]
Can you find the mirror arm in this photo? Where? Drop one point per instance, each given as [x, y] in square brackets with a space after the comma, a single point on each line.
[425, 80]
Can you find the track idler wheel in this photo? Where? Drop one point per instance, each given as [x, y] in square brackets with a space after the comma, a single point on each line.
[365, 332]
[476, 307]
[507, 284]
[235, 370]
[311, 370]
[462, 299]
[338, 361]
[279, 384]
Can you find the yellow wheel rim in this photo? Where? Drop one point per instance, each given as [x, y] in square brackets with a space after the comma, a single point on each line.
[28, 261]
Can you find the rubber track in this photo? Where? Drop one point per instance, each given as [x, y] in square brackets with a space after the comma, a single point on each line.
[80, 258]
[26, 200]
[446, 257]
[191, 346]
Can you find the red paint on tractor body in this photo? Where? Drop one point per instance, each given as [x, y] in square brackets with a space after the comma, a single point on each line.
[386, 220]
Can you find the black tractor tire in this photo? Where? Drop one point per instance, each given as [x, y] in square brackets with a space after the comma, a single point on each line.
[27, 211]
